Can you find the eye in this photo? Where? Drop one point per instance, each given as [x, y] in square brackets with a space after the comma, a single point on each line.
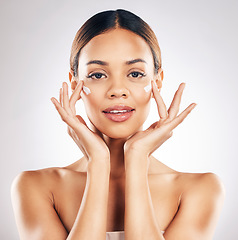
[137, 74]
[96, 75]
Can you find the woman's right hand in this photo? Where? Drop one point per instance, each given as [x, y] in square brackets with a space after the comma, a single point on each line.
[90, 143]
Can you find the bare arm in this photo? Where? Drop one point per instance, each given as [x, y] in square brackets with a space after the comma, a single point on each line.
[199, 210]
[91, 220]
[33, 208]
[196, 218]
[200, 205]
[140, 219]
[33, 204]
[36, 217]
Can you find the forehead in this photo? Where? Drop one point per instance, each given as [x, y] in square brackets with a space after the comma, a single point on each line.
[116, 45]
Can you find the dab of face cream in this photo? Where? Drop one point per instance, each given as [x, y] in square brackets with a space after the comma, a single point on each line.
[86, 90]
[147, 88]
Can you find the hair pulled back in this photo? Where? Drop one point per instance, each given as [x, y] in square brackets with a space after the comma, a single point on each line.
[108, 20]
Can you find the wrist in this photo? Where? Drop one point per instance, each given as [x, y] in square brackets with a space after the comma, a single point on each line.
[136, 161]
[100, 165]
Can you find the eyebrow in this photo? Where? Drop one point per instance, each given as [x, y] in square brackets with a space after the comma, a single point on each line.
[99, 62]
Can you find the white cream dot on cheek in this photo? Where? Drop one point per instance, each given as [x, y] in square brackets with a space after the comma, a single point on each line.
[86, 90]
[147, 88]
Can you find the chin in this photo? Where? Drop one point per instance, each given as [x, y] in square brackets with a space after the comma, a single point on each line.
[118, 135]
[120, 132]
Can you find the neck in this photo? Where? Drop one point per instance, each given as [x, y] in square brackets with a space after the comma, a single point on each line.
[116, 156]
[116, 148]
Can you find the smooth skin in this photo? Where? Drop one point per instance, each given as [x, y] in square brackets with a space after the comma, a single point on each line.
[118, 184]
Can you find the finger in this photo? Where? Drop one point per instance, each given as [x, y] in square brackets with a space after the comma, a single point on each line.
[75, 96]
[66, 98]
[61, 96]
[159, 101]
[59, 108]
[174, 107]
[182, 116]
[65, 94]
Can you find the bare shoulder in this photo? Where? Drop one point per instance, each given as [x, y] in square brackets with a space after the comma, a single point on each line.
[208, 184]
[187, 184]
[44, 179]
[36, 196]
[203, 195]
[201, 200]
[35, 177]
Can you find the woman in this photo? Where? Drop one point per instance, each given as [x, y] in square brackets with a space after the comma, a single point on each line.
[118, 190]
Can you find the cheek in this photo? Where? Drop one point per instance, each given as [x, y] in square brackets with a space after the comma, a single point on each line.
[91, 101]
[147, 88]
[142, 99]
[142, 96]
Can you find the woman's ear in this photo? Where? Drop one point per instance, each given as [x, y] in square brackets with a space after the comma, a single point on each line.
[72, 80]
[158, 79]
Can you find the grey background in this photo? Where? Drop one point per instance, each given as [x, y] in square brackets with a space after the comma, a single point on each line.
[198, 40]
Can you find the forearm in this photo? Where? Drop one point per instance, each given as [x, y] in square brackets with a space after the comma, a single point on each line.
[140, 219]
[91, 220]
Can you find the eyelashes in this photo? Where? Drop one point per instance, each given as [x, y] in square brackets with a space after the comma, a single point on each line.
[99, 75]
[95, 75]
[138, 73]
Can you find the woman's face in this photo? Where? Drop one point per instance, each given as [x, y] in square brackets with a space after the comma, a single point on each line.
[107, 69]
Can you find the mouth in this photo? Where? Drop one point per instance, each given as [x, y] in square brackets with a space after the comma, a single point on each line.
[118, 113]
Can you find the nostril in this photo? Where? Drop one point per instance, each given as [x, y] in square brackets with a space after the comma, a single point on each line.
[124, 95]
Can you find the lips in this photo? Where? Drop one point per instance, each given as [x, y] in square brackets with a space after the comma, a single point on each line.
[118, 113]
[118, 108]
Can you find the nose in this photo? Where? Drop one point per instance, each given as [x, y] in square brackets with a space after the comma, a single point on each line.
[118, 90]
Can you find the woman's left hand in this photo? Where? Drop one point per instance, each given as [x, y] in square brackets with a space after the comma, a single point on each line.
[144, 143]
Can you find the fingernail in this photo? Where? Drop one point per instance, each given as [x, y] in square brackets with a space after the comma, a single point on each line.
[184, 85]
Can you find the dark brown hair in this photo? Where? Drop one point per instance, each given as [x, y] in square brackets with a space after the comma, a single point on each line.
[108, 20]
